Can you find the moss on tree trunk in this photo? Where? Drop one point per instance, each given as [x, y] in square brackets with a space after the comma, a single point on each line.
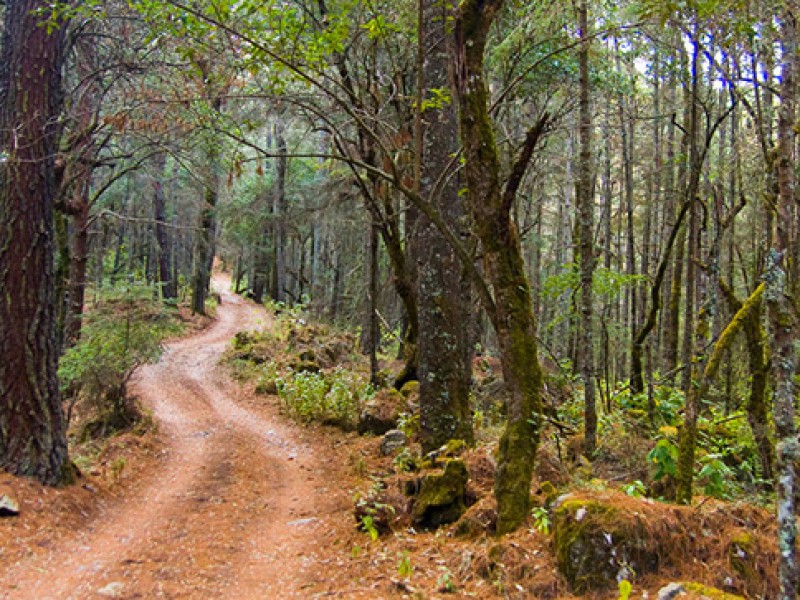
[512, 311]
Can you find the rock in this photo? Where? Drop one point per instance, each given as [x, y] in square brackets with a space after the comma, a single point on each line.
[409, 388]
[694, 591]
[8, 507]
[442, 496]
[393, 440]
[452, 449]
[746, 557]
[594, 540]
[381, 413]
[112, 590]
[671, 591]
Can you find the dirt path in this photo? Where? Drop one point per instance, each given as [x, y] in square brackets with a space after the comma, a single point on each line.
[242, 506]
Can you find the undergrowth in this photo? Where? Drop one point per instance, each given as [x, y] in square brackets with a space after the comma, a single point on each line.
[310, 366]
[122, 331]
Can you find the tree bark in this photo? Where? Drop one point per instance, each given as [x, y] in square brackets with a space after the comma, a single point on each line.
[585, 199]
[32, 424]
[279, 210]
[757, 413]
[512, 314]
[783, 317]
[443, 292]
[169, 287]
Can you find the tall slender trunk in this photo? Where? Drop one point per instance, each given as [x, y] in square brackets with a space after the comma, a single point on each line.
[79, 260]
[372, 324]
[781, 299]
[204, 244]
[279, 210]
[695, 327]
[585, 199]
[169, 287]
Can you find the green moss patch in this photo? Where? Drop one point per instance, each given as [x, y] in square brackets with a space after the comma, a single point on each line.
[442, 496]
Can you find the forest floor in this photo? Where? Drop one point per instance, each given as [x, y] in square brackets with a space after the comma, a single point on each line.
[228, 498]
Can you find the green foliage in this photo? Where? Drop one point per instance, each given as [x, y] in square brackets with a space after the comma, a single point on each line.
[368, 527]
[404, 566]
[665, 458]
[607, 283]
[445, 582]
[715, 476]
[635, 489]
[118, 335]
[438, 99]
[405, 462]
[541, 520]
[668, 402]
[625, 589]
[408, 423]
[335, 397]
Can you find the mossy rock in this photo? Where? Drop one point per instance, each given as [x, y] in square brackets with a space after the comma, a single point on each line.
[442, 496]
[595, 541]
[409, 388]
[305, 367]
[382, 412]
[691, 590]
[747, 557]
[741, 549]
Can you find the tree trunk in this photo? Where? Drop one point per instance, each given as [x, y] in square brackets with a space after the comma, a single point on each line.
[585, 200]
[373, 337]
[205, 241]
[79, 259]
[32, 425]
[783, 318]
[169, 287]
[512, 314]
[204, 245]
[443, 294]
[279, 211]
[757, 413]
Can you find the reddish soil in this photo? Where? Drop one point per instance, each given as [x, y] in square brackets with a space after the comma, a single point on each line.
[231, 501]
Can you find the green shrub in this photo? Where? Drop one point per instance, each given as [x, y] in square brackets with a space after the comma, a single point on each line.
[335, 397]
[116, 338]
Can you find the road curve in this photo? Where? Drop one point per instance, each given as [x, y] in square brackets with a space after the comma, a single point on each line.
[237, 508]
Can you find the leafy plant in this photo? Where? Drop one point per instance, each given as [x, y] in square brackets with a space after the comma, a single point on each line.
[664, 456]
[408, 423]
[368, 527]
[445, 582]
[625, 589]
[541, 520]
[117, 337]
[635, 489]
[716, 475]
[404, 567]
[335, 397]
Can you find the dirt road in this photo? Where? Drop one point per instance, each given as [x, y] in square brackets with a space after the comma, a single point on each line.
[241, 506]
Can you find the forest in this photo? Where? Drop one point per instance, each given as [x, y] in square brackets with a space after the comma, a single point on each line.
[518, 280]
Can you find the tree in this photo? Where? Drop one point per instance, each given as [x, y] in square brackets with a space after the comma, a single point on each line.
[585, 198]
[781, 297]
[443, 292]
[511, 310]
[32, 425]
